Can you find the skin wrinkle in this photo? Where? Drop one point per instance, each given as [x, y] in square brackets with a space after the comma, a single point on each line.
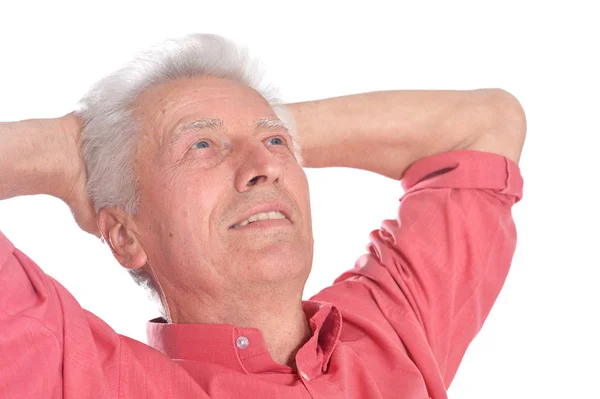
[216, 125]
[190, 197]
[179, 131]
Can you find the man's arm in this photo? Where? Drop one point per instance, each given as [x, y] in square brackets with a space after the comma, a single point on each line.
[50, 347]
[42, 156]
[385, 132]
[432, 274]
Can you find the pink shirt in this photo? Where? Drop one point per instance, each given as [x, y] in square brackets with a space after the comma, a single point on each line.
[396, 325]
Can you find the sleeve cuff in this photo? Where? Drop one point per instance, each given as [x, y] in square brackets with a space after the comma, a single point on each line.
[465, 169]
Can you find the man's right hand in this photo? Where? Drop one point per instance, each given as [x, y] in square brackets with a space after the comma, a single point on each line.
[43, 156]
[75, 194]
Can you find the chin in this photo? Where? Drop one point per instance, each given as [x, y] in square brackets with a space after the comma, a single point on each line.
[278, 263]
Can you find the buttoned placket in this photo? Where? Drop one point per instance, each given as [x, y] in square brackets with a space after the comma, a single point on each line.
[242, 342]
[303, 375]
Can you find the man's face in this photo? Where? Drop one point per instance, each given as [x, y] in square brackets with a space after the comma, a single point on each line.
[211, 155]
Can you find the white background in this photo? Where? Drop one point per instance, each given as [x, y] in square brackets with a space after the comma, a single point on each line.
[541, 339]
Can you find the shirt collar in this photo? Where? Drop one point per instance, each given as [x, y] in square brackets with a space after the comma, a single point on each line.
[326, 324]
[220, 343]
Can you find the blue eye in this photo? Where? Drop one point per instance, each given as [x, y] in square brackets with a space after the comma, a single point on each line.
[276, 141]
[201, 144]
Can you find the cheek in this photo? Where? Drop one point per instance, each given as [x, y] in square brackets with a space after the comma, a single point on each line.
[197, 207]
[189, 204]
[180, 203]
[300, 189]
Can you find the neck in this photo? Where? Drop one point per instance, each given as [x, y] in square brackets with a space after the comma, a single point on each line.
[282, 323]
[284, 334]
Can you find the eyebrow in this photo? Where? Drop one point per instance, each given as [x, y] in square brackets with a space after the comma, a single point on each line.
[216, 124]
[270, 123]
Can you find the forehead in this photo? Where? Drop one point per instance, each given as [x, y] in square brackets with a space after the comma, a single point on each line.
[167, 106]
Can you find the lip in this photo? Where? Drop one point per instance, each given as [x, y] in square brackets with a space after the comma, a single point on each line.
[266, 207]
[264, 225]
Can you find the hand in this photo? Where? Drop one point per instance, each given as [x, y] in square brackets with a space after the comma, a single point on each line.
[43, 156]
[74, 191]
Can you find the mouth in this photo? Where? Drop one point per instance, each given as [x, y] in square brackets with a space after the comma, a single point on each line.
[263, 218]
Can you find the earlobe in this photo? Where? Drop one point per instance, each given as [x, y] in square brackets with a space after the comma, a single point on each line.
[136, 256]
[123, 243]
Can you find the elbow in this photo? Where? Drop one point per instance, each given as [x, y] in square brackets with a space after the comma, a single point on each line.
[512, 113]
[513, 125]
[507, 125]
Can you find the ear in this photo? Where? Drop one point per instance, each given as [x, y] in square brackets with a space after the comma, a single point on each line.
[115, 226]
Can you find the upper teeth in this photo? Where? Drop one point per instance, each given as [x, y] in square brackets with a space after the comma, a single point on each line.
[261, 216]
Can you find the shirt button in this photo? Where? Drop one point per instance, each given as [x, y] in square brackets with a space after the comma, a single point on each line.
[242, 342]
[303, 375]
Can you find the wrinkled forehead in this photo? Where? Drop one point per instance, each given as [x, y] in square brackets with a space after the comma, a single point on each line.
[169, 109]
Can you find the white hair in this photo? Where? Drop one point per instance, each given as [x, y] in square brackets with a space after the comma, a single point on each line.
[110, 132]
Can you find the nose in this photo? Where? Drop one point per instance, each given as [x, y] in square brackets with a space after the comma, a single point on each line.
[258, 166]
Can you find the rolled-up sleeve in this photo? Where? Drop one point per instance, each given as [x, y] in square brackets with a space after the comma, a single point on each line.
[435, 271]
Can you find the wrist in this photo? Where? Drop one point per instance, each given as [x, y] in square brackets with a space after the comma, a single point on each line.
[31, 157]
[68, 170]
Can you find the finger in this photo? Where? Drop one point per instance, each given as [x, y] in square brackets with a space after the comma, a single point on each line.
[87, 223]
[85, 216]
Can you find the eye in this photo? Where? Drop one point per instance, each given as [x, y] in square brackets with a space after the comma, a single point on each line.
[201, 144]
[276, 141]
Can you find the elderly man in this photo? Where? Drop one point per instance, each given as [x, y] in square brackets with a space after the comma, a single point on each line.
[192, 171]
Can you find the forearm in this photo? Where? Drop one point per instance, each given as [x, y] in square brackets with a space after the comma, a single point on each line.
[31, 154]
[385, 132]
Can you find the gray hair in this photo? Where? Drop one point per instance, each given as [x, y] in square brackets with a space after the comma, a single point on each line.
[110, 132]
